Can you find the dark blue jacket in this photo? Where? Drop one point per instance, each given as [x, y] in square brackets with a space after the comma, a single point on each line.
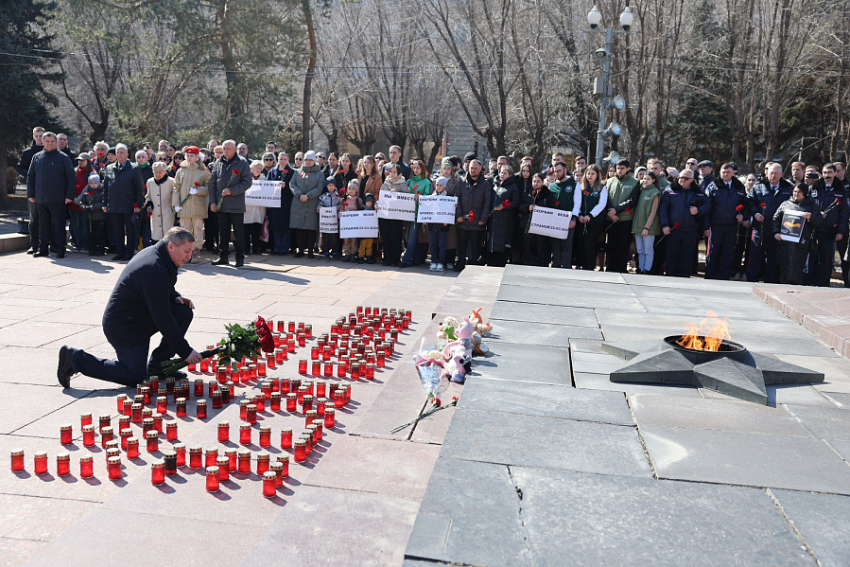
[51, 178]
[763, 194]
[723, 203]
[23, 166]
[837, 218]
[140, 304]
[123, 187]
[676, 203]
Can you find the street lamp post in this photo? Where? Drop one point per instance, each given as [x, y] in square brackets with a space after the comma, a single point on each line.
[594, 18]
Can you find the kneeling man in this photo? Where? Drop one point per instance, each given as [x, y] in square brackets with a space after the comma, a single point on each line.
[142, 303]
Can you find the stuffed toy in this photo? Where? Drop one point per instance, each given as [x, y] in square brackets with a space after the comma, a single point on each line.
[447, 329]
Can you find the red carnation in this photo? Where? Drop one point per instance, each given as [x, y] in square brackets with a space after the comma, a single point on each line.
[506, 204]
[196, 184]
[235, 172]
[264, 334]
[675, 225]
[471, 216]
[437, 402]
[628, 210]
[763, 205]
[557, 203]
[739, 208]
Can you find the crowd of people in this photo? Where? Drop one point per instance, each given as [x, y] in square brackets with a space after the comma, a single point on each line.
[650, 217]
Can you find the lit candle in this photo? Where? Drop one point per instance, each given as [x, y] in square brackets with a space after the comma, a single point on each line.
[212, 386]
[243, 409]
[136, 413]
[330, 417]
[162, 404]
[370, 371]
[147, 424]
[125, 434]
[146, 392]
[270, 360]
[279, 357]
[105, 436]
[199, 388]
[66, 434]
[170, 461]
[40, 460]
[245, 434]
[286, 438]
[201, 409]
[223, 431]
[320, 407]
[300, 451]
[291, 402]
[231, 457]
[314, 352]
[244, 456]
[195, 457]
[226, 392]
[181, 407]
[251, 413]
[180, 451]
[260, 402]
[205, 365]
[113, 466]
[318, 434]
[275, 401]
[263, 460]
[153, 441]
[121, 399]
[132, 448]
[212, 479]
[158, 472]
[265, 436]
[63, 464]
[309, 417]
[216, 399]
[284, 460]
[277, 468]
[339, 398]
[86, 466]
[211, 457]
[171, 431]
[306, 403]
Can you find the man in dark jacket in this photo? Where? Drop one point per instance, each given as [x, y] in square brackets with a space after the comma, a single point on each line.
[124, 195]
[474, 204]
[279, 216]
[230, 178]
[830, 198]
[727, 208]
[62, 140]
[764, 200]
[143, 302]
[23, 167]
[395, 158]
[682, 205]
[51, 185]
[841, 245]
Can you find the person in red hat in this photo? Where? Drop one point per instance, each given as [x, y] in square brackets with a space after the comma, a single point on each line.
[190, 197]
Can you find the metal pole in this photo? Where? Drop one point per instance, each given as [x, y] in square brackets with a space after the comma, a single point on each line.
[603, 104]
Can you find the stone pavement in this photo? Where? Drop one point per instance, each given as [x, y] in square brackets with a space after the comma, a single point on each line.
[548, 462]
[352, 503]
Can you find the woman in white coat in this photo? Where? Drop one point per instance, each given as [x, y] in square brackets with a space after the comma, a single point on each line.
[159, 189]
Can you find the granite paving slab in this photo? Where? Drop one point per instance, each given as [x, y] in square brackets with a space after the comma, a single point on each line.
[549, 314]
[321, 526]
[42, 519]
[841, 446]
[517, 273]
[841, 400]
[800, 394]
[557, 443]
[824, 522]
[835, 369]
[585, 519]
[470, 515]
[13, 552]
[832, 423]
[748, 459]
[33, 334]
[624, 300]
[22, 404]
[699, 308]
[585, 345]
[526, 363]
[595, 363]
[603, 382]
[545, 400]
[522, 333]
[715, 414]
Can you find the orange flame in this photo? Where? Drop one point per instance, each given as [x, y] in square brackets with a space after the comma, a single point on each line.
[708, 335]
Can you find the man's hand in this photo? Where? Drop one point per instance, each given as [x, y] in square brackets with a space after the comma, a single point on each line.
[739, 218]
[666, 230]
[573, 223]
[304, 198]
[839, 237]
[214, 207]
[31, 199]
[707, 233]
[481, 223]
[68, 201]
[136, 209]
[225, 193]
[184, 301]
[194, 357]
[759, 217]
[104, 210]
[460, 220]
[777, 236]
[694, 210]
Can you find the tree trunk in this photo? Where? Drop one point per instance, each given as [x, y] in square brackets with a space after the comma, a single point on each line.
[308, 78]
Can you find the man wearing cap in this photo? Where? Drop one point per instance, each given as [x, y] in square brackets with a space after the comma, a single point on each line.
[190, 197]
[123, 197]
[230, 177]
[682, 205]
[51, 184]
[623, 194]
[466, 159]
[727, 208]
[706, 173]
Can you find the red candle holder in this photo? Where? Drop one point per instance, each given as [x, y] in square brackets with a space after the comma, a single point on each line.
[251, 413]
[263, 461]
[317, 368]
[146, 392]
[308, 441]
[231, 457]
[40, 461]
[171, 431]
[216, 399]
[284, 461]
[243, 409]
[291, 327]
[132, 448]
[121, 398]
[158, 472]
[86, 466]
[162, 404]
[245, 434]
[157, 422]
[318, 435]
[302, 339]
[339, 398]
[370, 371]
[180, 451]
[291, 402]
[212, 479]
[314, 352]
[277, 468]
[66, 434]
[302, 366]
[147, 424]
[310, 417]
[280, 326]
[201, 409]
[265, 436]
[261, 368]
[170, 460]
[300, 451]
[306, 403]
[105, 436]
[275, 401]
[205, 365]
[260, 402]
[244, 456]
[136, 415]
[112, 452]
[279, 357]
[328, 370]
[152, 438]
[223, 464]
[113, 467]
[195, 457]
[146, 413]
[269, 484]
[311, 429]
[211, 457]
[320, 406]
[223, 431]
[63, 463]
[330, 418]
[181, 407]
[290, 346]
[125, 434]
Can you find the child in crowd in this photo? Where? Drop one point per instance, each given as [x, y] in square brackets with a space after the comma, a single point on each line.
[646, 224]
[158, 199]
[439, 233]
[330, 198]
[366, 244]
[91, 201]
[351, 203]
[254, 216]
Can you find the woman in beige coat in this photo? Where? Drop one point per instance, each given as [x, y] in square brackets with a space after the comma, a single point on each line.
[191, 197]
[159, 192]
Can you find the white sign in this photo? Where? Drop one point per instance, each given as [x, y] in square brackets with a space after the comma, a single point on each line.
[553, 223]
[328, 220]
[437, 209]
[792, 226]
[263, 193]
[396, 206]
[358, 224]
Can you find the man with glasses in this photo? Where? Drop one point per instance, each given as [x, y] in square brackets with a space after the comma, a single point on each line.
[841, 245]
[727, 205]
[832, 231]
[764, 200]
[693, 165]
[682, 206]
[321, 159]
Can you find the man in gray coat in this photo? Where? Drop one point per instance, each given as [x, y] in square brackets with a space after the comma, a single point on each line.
[51, 185]
[230, 178]
[123, 195]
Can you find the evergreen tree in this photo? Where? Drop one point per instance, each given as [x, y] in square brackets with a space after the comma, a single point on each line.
[29, 64]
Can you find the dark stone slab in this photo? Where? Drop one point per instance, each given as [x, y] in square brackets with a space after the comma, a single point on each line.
[554, 296]
[732, 378]
[699, 308]
[546, 442]
[602, 382]
[550, 314]
[545, 400]
[523, 333]
[470, 515]
[826, 423]
[627, 350]
[526, 363]
[824, 522]
[583, 519]
[661, 367]
[746, 459]
[514, 272]
[776, 371]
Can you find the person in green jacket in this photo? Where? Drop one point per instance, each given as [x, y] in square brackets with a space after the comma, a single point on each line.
[623, 193]
[418, 184]
[645, 223]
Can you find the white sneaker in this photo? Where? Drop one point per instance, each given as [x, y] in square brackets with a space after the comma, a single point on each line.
[449, 266]
[440, 268]
[433, 267]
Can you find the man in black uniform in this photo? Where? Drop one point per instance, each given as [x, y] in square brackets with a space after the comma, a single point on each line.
[143, 302]
[23, 168]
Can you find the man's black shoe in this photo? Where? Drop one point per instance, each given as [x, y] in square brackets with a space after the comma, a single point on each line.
[40, 254]
[239, 263]
[60, 254]
[404, 265]
[64, 371]
[220, 262]
[117, 258]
